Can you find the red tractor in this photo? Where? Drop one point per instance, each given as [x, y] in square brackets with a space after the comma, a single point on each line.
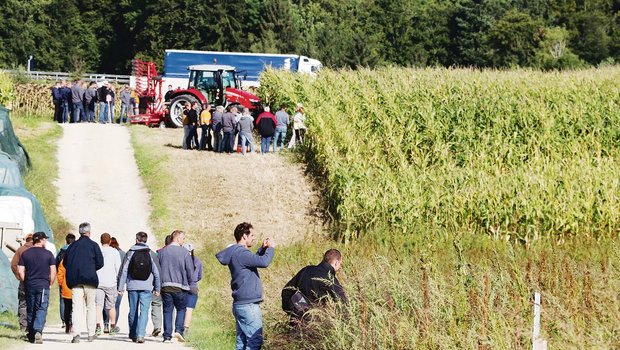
[208, 83]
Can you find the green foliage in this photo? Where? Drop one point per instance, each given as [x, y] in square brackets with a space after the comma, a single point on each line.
[104, 36]
[7, 93]
[516, 155]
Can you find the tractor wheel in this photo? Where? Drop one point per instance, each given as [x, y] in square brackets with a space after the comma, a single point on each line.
[176, 108]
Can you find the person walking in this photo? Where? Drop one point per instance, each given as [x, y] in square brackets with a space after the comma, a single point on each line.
[176, 274]
[216, 127]
[282, 122]
[266, 125]
[192, 296]
[70, 238]
[314, 285]
[141, 277]
[246, 125]
[247, 288]
[106, 320]
[82, 260]
[66, 296]
[21, 291]
[37, 269]
[156, 304]
[107, 290]
[205, 125]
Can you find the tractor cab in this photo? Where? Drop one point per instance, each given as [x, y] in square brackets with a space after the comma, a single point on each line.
[213, 80]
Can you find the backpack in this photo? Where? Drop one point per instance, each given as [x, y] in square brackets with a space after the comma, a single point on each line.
[140, 266]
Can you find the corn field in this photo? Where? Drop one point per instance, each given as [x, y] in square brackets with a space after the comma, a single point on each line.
[516, 155]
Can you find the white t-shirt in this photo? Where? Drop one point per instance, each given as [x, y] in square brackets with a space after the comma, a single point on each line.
[111, 265]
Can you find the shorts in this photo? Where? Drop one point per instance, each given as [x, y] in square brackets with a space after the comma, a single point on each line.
[106, 297]
[191, 300]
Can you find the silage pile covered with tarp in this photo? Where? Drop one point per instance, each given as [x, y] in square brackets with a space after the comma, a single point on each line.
[9, 143]
[8, 287]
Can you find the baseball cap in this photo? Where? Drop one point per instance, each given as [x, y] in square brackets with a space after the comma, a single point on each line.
[37, 236]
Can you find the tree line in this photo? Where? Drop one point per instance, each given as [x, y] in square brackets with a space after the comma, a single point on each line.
[105, 35]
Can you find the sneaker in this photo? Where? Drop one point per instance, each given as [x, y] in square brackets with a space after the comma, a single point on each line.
[156, 332]
[106, 328]
[167, 341]
[114, 330]
[179, 337]
[140, 340]
[75, 339]
[38, 338]
[97, 331]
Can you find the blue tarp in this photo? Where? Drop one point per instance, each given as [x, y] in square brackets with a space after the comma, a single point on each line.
[247, 64]
[8, 287]
[9, 143]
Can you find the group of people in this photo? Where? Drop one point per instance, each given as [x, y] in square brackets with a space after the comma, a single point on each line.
[78, 102]
[224, 128]
[93, 279]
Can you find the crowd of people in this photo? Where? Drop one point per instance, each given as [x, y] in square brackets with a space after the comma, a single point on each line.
[93, 278]
[231, 130]
[80, 102]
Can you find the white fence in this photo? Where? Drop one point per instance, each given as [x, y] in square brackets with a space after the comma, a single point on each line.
[41, 75]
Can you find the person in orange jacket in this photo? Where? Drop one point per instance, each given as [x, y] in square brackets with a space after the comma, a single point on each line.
[66, 295]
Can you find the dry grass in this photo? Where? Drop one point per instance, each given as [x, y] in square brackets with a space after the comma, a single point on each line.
[215, 192]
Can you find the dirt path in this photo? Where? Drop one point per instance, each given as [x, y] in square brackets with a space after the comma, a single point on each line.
[99, 183]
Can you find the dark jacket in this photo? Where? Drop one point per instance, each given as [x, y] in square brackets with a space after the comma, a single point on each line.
[317, 283]
[243, 265]
[101, 93]
[56, 94]
[65, 94]
[82, 260]
[266, 124]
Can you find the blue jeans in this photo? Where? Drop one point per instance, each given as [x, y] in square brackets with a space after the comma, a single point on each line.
[103, 112]
[173, 301]
[279, 135]
[246, 138]
[124, 110]
[37, 301]
[111, 107]
[249, 326]
[90, 112]
[139, 304]
[65, 111]
[264, 144]
[229, 141]
[78, 112]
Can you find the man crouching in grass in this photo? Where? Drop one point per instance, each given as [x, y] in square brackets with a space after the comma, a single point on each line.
[247, 289]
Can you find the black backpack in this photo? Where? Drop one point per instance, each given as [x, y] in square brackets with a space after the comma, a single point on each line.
[140, 266]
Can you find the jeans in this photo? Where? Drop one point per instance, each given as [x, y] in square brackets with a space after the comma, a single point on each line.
[156, 314]
[249, 326]
[90, 112]
[139, 304]
[124, 112]
[78, 112]
[22, 310]
[217, 138]
[246, 138]
[37, 301]
[173, 301]
[84, 303]
[280, 135]
[205, 137]
[185, 136]
[65, 112]
[264, 144]
[229, 141]
[111, 111]
[103, 111]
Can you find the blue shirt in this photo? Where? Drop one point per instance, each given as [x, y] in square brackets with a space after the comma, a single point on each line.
[37, 262]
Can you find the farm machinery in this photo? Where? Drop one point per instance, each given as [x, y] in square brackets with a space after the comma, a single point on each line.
[208, 83]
